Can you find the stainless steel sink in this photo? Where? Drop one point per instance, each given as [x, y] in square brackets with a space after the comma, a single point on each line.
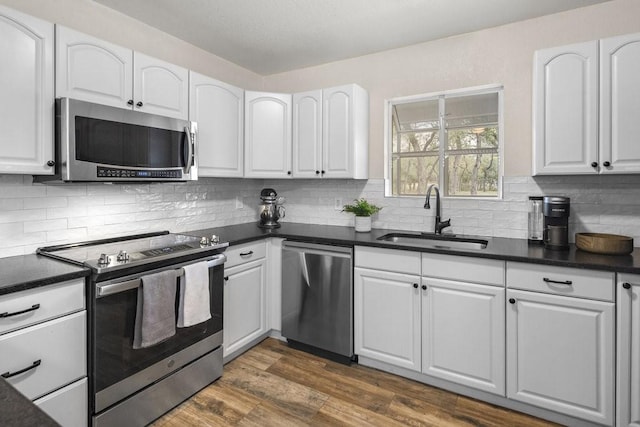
[435, 241]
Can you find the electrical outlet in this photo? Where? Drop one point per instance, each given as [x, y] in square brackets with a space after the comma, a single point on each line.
[338, 204]
[239, 204]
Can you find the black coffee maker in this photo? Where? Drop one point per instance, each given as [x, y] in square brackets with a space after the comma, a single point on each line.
[556, 222]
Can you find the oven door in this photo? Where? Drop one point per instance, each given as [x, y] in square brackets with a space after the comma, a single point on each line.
[120, 371]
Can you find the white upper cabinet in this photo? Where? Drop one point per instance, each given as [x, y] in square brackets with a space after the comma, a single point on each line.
[620, 104]
[331, 133]
[565, 109]
[94, 70]
[267, 130]
[586, 100]
[307, 134]
[160, 87]
[218, 110]
[26, 85]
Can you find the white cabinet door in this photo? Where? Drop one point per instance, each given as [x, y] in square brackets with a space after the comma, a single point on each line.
[620, 104]
[267, 131]
[26, 85]
[345, 132]
[565, 104]
[387, 317]
[68, 405]
[244, 305]
[93, 70]
[628, 363]
[463, 333]
[560, 354]
[307, 134]
[160, 87]
[218, 110]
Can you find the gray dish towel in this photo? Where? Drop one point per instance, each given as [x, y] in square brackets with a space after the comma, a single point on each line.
[194, 307]
[155, 313]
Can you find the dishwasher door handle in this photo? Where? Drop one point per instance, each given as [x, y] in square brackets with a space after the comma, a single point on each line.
[322, 250]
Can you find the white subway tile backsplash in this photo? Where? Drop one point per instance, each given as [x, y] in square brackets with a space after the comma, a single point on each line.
[33, 215]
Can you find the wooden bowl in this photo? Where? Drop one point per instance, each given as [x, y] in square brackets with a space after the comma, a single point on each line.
[608, 244]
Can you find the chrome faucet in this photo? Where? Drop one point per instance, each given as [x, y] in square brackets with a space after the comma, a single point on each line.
[439, 225]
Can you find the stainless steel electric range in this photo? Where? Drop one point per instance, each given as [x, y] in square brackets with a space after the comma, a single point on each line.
[130, 386]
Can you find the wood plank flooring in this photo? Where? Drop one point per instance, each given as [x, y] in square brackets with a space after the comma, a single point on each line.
[274, 385]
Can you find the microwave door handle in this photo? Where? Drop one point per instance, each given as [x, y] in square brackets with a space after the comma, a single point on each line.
[190, 155]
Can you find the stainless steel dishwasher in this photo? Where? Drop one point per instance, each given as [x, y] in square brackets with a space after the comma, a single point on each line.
[317, 299]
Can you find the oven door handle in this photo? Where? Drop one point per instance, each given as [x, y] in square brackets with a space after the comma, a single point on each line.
[110, 288]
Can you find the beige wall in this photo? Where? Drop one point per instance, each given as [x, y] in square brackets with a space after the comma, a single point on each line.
[100, 21]
[500, 55]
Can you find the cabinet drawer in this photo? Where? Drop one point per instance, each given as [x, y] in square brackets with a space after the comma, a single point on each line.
[52, 301]
[60, 346]
[244, 253]
[465, 269]
[574, 282]
[69, 406]
[405, 262]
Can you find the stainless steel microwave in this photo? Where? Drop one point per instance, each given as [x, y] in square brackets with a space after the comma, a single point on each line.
[101, 143]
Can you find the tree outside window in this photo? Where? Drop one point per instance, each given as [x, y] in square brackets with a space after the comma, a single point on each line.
[467, 164]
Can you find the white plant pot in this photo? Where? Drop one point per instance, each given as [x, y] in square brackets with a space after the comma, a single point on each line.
[363, 224]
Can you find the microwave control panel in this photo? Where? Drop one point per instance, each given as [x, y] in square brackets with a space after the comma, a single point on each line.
[103, 172]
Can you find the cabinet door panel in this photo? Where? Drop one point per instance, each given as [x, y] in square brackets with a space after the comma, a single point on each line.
[560, 354]
[161, 87]
[338, 132]
[59, 344]
[93, 70]
[26, 85]
[628, 351]
[267, 135]
[620, 103]
[387, 317]
[463, 333]
[565, 109]
[307, 134]
[218, 110]
[244, 305]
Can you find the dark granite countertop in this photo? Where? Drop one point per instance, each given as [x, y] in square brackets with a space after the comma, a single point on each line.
[18, 273]
[497, 248]
[18, 411]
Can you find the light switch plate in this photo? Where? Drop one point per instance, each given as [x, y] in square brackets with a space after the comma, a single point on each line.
[239, 203]
[338, 204]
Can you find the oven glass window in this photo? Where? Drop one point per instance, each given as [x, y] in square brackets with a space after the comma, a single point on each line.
[114, 356]
[124, 144]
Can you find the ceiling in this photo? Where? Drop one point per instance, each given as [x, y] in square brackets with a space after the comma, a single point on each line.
[273, 36]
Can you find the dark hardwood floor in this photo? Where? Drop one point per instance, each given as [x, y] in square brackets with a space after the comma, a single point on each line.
[274, 385]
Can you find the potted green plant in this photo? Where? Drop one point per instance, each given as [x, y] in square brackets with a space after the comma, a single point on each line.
[363, 211]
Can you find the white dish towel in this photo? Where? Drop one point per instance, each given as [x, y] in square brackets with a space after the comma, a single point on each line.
[194, 305]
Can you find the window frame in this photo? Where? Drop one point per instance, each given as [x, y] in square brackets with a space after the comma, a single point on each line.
[441, 96]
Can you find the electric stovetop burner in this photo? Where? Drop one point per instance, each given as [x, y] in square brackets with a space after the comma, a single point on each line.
[130, 251]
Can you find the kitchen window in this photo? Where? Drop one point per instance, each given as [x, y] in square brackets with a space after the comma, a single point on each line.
[452, 139]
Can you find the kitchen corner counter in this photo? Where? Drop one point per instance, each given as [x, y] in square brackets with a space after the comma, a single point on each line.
[498, 247]
[18, 411]
[19, 273]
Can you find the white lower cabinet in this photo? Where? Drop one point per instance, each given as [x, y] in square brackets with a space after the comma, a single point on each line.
[463, 333]
[448, 329]
[245, 298]
[560, 349]
[68, 406]
[43, 348]
[628, 351]
[387, 317]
